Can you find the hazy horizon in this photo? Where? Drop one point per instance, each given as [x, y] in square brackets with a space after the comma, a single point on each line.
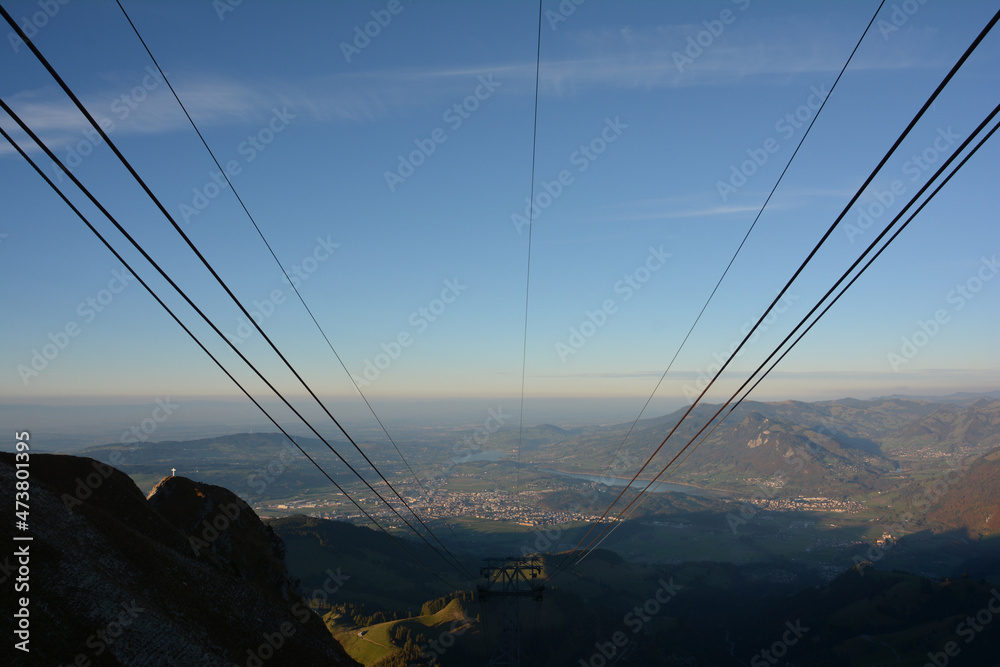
[413, 256]
[57, 426]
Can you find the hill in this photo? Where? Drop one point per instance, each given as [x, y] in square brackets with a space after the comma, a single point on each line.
[387, 577]
[407, 641]
[951, 428]
[974, 503]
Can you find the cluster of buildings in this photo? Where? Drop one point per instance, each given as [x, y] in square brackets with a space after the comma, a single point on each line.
[496, 506]
[804, 504]
[488, 505]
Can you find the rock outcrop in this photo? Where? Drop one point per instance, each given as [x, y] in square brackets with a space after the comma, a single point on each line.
[189, 576]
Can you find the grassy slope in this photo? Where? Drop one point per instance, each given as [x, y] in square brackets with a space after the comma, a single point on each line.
[376, 643]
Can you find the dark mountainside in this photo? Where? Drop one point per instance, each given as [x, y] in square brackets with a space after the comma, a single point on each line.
[395, 582]
[188, 576]
[691, 614]
[192, 576]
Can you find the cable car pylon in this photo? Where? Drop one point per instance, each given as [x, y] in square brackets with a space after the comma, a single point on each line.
[510, 579]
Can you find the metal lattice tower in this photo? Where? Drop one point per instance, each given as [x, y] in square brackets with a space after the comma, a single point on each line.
[511, 579]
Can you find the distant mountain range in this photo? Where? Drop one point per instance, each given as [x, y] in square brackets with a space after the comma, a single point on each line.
[833, 447]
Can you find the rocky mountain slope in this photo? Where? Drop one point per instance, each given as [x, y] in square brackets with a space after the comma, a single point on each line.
[187, 576]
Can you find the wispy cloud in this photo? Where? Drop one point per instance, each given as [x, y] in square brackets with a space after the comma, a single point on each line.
[211, 101]
[698, 205]
[214, 100]
[627, 58]
[706, 204]
[959, 376]
[643, 59]
[669, 213]
[751, 52]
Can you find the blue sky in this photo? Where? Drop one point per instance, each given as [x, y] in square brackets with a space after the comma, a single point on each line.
[636, 130]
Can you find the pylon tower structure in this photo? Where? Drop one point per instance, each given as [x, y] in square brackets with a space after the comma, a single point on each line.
[510, 579]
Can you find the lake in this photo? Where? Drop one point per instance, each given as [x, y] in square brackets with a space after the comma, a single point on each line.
[478, 456]
[662, 487]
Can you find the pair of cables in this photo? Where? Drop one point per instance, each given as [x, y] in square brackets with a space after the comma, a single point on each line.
[447, 555]
[580, 551]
